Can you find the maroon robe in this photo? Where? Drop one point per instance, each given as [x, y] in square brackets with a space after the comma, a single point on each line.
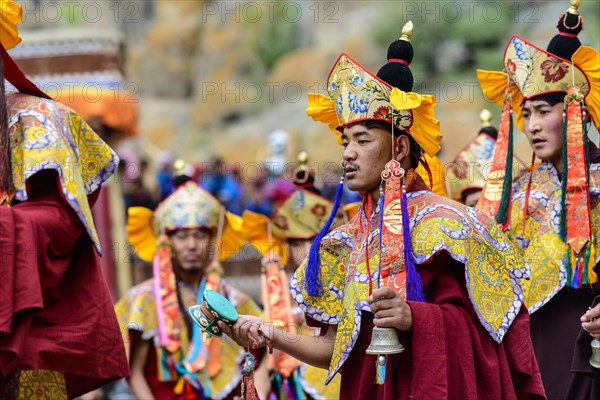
[55, 309]
[448, 354]
[554, 330]
[585, 379]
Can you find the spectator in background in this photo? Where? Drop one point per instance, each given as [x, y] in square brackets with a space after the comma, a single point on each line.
[132, 171]
[255, 199]
[217, 179]
[278, 188]
[137, 194]
[163, 176]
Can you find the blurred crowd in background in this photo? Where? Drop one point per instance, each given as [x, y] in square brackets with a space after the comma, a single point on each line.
[146, 185]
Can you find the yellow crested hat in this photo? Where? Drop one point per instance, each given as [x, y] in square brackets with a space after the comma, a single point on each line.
[304, 212]
[354, 94]
[531, 71]
[189, 206]
[11, 15]
[469, 167]
[435, 177]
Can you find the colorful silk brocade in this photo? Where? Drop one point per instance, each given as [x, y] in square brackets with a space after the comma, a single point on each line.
[34, 385]
[44, 135]
[545, 252]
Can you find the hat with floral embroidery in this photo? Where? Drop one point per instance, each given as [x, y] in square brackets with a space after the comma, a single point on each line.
[189, 206]
[354, 94]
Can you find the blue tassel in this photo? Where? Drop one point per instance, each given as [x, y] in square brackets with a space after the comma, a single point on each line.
[575, 278]
[414, 285]
[380, 367]
[381, 205]
[313, 279]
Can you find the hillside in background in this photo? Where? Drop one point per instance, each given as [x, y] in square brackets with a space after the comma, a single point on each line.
[218, 77]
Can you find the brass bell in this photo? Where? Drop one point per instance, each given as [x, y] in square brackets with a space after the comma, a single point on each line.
[384, 341]
[595, 358]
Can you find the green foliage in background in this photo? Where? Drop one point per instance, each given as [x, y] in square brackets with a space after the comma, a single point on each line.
[275, 39]
[478, 34]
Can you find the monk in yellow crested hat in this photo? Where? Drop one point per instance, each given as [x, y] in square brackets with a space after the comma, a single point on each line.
[400, 292]
[552, 212]
[185, 239]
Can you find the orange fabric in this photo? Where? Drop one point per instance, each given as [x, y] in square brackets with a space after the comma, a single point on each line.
[489, 202]
[214, 362]
[398, 281]
[393, 265]
[117, 109]
[277, 306]
[578, 206]
[168, 309]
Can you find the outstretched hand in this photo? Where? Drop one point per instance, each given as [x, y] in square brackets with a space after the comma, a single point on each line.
[590, 321]
[390, 310]
[249, 331]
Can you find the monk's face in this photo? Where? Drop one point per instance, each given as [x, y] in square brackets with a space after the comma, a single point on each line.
[542, 124]
[366, 151]
[192, 249]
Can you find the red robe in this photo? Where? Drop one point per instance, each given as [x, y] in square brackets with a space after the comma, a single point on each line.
[448, 354]
[55, 309]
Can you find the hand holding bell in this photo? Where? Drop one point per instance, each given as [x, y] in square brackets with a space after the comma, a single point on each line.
[591, 324]
[389, 310]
